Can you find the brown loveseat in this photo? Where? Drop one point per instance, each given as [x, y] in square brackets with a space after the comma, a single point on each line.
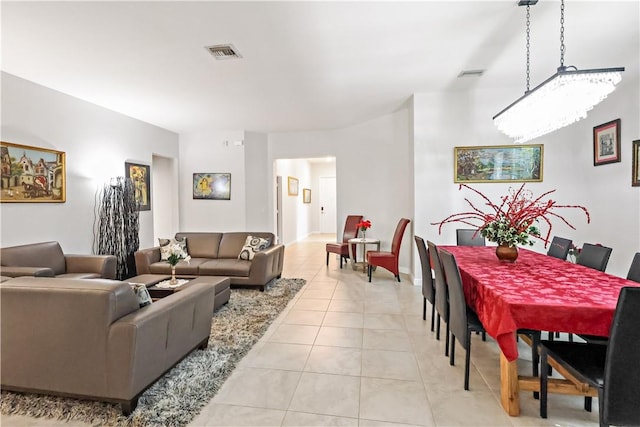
[46, 259]
[89, 338]
[216, 254]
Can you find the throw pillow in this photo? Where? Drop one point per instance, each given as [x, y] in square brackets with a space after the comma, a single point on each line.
[251, 246]
[167, 244]
[142, 294]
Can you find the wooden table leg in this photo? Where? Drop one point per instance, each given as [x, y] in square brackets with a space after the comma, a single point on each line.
[509, 387]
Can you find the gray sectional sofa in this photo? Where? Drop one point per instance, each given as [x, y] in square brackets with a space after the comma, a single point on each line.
[89, 338]
[216, 254]
[46, 259]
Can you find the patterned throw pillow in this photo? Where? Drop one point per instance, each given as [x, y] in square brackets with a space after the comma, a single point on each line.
[167, 244]
[251, 246]
[142, 293]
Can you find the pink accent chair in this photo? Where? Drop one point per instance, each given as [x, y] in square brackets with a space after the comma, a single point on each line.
[350, 232]
[389, 260]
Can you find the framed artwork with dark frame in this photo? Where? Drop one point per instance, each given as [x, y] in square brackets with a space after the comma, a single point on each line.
[140, 175]
[212, 186]
[292, 186]
[498, 163]
[635, 165]
[32, 174]
[306, 195]
[606, 143]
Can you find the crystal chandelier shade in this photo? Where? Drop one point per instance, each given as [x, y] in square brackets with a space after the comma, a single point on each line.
[561, 100]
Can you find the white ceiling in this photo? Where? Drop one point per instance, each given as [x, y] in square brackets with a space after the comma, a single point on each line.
[305, 65]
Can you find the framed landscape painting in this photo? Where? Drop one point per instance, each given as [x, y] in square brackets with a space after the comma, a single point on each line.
[606, 143]
[32, 174]
[140, 176]
[499, 163]
[212, 186]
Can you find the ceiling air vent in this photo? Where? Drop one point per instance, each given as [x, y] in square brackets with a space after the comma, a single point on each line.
[223, 51]
[471, 73]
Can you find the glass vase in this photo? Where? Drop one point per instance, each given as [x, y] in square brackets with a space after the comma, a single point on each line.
[173, 280]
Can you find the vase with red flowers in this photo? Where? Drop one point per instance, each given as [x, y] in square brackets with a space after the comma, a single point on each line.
[363, 226]
[513, 220]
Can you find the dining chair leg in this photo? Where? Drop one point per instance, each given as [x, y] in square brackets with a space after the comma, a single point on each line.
[398, 277]
[452, 351]
[369, 271]
[587, 403]
[327, 258]
[467, 361]
[424, 309]
[535, 359]
[341, 258]
[544, 371]
[433, 315]
[446, 343]
[438, 329]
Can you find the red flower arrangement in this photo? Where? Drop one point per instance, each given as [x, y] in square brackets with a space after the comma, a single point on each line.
[364, 225]
[514, 219]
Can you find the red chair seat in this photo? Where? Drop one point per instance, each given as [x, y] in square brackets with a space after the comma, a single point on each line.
[350, 232]
[389, 260]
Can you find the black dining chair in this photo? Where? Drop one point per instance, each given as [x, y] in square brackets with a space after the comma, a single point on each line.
[559, 247]
[442, 293]
[462, 319]
[469, 237]
[428, 287]
[594, 256]
[612, 369]
[634, 269]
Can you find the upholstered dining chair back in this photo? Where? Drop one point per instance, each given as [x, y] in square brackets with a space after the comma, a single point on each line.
[469, 237]
[634, 270]
[559, 247]
[428, 287]
[442, 293]
[594, 256]
[350, 232]
[622, 372]
[462, 319]
[389, 260]
[611, 368]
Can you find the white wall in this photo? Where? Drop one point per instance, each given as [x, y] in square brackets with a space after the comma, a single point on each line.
[445, 120]
[97, 142]
[212, 151]
[257, 182]
[374, 172]
[296, 216]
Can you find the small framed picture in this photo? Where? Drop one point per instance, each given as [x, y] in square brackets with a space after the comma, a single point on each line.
[606, 143]
[292, 186]
[306, 195]
[141, 179]
[635, 165]
[212, 186]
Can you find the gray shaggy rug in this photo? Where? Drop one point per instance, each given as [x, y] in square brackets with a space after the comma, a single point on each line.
[178, 396]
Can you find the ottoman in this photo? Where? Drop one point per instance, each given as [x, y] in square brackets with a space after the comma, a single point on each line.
[222, 286]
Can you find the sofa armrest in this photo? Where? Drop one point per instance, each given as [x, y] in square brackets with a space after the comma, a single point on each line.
[15, 271]
[145, 257]
[104, 265]
[267, 264]
[146, 343]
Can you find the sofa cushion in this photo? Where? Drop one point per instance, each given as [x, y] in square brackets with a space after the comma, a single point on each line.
[226, 267]
[78, 276]
[167, 246]
[46, 254]
[202, 244]
[251, 246]
[232, 242]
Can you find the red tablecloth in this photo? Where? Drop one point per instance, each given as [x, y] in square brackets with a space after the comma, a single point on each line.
[536, 292]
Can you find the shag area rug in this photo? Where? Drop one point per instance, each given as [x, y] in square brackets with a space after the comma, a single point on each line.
[178, 396]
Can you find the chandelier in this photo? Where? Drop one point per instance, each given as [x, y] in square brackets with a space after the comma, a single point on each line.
[559, 101]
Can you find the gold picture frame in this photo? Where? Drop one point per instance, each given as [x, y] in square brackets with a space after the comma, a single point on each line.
[306, 195]
[292, 186]
[140, 176]
[498, 163]
[32, 174]
[635, 166]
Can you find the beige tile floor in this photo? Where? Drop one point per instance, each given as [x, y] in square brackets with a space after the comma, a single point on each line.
[346, 352]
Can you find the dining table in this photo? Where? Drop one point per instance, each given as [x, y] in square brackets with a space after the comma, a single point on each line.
[536, 292]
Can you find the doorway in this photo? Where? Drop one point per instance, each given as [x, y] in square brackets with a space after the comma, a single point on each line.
[327, 199]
